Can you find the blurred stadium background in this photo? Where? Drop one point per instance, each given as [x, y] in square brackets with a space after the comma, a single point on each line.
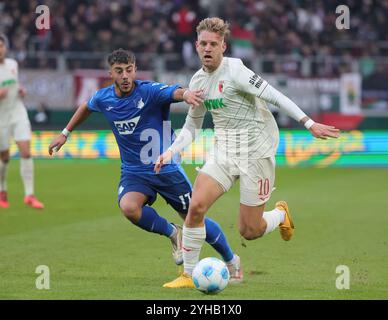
[339, 77]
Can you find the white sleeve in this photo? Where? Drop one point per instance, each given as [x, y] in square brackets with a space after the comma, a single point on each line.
[186, 136]
[271, 95]
[247, 81]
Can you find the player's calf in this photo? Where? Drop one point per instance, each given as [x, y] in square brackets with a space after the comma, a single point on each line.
[251, 224]
[251, 234]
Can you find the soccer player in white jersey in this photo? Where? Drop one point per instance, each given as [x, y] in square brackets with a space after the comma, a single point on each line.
[14, 123]
[246, 140]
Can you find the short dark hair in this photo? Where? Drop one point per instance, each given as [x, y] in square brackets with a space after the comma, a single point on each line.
[4, 38]
[121, 56]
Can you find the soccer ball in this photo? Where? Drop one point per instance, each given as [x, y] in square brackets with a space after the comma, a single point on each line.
[210, 275]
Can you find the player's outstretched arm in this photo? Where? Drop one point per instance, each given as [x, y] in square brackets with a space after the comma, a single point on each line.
[78, 117]
[246, 80]
[318, 130]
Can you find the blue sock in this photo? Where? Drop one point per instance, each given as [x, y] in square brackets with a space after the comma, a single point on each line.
[152, 222]
[216, 238]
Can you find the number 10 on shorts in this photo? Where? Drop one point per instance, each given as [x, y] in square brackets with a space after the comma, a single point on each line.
[263, 188]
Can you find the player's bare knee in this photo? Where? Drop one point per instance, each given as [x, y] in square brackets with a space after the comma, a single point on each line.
[197, 208]
[131, 211]
[197, 211]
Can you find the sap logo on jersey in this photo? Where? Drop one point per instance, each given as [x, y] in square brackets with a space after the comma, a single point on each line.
[127, 126]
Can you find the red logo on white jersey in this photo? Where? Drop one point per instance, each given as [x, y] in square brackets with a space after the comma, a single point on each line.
[221, 86]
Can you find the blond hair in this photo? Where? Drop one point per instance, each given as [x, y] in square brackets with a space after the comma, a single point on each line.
[214, 24]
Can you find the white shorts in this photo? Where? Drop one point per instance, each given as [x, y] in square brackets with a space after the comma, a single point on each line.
[257, 177]
[19, 131]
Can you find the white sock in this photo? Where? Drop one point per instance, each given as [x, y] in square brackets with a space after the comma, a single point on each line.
[273, 219]
[3, 175]
[233, 261]
[174, 231]
[27, 173]
[192, 242]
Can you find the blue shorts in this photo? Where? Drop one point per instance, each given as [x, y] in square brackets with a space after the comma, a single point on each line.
[174, 187]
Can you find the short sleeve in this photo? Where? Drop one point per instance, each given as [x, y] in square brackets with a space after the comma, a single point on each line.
[93, 103]
[246, 80]
[163, 93]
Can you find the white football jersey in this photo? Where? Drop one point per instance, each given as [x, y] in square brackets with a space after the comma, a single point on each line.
[244, 126]
[12, 105]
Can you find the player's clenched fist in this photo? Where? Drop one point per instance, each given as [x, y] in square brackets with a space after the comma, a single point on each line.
[57, 144]
[163, 159]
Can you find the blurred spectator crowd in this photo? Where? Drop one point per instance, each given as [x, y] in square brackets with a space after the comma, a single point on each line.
[294, 29]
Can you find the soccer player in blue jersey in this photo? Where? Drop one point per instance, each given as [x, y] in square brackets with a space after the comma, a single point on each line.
[138, 113]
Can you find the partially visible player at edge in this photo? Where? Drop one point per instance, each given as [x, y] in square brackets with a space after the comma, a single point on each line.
[236, 98]
[136, 110]
[14, 123]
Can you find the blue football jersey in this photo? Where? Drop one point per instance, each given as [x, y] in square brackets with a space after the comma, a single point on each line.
[140, 123]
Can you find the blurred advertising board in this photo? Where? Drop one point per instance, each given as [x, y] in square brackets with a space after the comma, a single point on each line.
[296, 148]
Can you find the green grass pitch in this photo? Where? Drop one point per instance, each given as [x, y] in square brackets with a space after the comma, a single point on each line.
[93, 252]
